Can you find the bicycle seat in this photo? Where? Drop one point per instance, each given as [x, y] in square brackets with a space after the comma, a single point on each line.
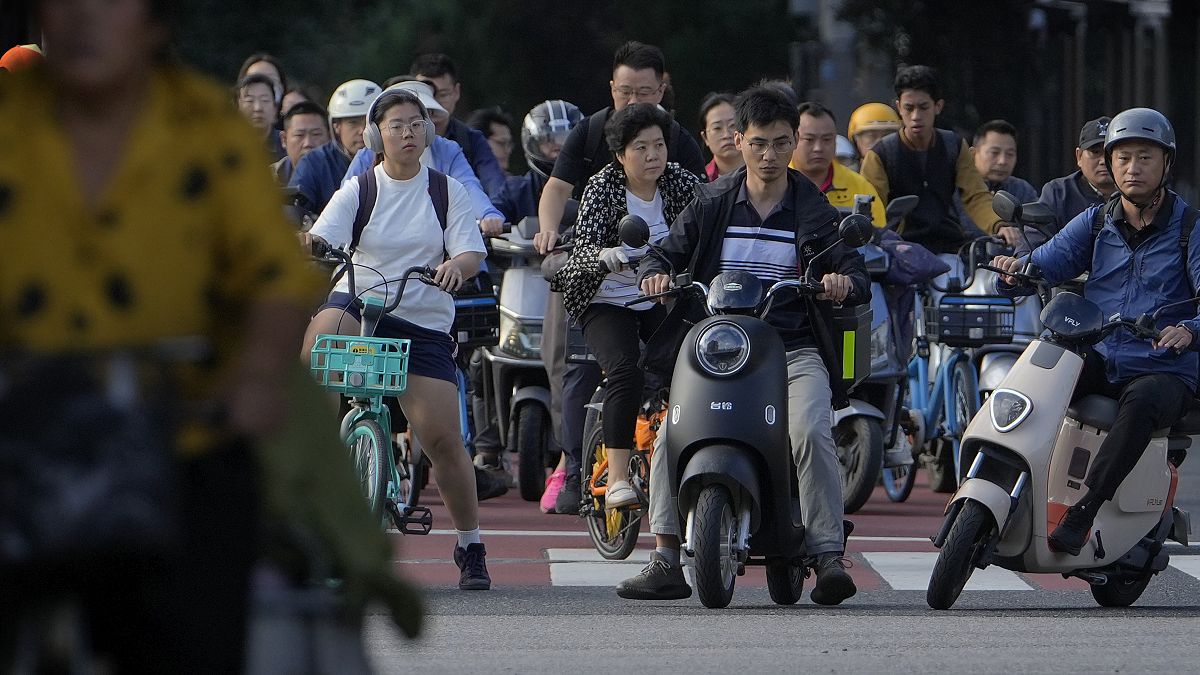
[1095, 411]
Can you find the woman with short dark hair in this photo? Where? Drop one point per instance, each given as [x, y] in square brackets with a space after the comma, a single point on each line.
[639, 181]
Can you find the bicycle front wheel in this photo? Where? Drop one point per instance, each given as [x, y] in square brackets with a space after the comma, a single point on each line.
[367, 443]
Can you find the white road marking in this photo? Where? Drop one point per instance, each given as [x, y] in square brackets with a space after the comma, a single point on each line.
[1188, 564]
[911, 572]
[567, 533]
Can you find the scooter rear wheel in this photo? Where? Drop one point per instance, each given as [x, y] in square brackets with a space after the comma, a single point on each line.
[716, 535]
[971, 531]
[785, 582]
[1120, 591]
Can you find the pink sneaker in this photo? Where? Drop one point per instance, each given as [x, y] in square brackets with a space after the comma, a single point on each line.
[554, 485]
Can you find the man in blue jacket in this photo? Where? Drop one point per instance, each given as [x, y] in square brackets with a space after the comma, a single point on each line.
[1143, 257]
[319, 173]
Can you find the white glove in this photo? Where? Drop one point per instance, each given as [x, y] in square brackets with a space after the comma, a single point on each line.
[614, 259]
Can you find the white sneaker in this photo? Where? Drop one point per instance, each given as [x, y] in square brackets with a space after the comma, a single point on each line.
[619, 494]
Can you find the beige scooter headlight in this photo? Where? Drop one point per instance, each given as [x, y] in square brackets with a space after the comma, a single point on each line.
[1009, 409]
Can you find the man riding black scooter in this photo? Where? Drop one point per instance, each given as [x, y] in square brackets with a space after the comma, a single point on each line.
[768, 221]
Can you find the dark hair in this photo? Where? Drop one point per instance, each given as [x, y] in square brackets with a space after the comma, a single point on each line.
[629, 121]
[397, 79]
[712, 100]
[638, 56]
[305, 108]
[919, 78]
[997, 126]
[393, 98]
[484, 118]
[434, 65]
[762, 105]
[814, 109]
[255, 58]
[783, 87]
[257, 78]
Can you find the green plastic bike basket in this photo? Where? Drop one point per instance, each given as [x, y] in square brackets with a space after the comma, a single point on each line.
[361, 366]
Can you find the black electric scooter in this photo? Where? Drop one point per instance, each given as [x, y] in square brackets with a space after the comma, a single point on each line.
[727, 446]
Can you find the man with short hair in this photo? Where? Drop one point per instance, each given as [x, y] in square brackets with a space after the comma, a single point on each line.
[769, 221]
[319, 173]
[814, 157]
[256, 99]
[932, 164]
[305, 128]
[1090, 185]
[496, 127]
[995, 154]
[439, 72]
[637, 77]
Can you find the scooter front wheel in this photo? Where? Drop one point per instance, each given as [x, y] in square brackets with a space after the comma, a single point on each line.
[970, 533]
[715, 532]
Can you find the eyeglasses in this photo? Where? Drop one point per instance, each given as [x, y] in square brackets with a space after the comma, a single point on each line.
[641, 92]
[417, 127]
[759, 147]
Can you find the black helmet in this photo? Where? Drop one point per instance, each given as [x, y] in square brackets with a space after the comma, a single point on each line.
[544, 131]
[1144, 124]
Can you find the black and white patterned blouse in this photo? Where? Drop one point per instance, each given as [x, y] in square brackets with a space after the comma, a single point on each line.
[601, 208]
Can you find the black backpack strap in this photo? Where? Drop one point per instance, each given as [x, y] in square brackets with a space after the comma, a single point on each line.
[591, 144]
[1098, 218]
[368, 190]
[439, 192]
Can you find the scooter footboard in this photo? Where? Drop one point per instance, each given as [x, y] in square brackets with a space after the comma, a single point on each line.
[726, 465]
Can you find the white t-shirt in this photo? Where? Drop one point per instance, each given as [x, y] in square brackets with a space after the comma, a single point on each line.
[621, 287]
[403, 231]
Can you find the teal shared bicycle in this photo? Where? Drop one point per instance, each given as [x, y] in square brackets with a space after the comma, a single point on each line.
[366, 370]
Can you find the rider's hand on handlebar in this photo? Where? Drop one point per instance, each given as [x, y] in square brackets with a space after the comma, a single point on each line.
[614, 259]
[1173, 337]
[449, 277]
[313, 244]
[837, 287]
[1009, 264]
[492, 226]
[545, 240]
[1010, 234]
[655, 284]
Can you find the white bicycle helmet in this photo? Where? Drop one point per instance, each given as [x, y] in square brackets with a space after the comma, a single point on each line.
[353, 99]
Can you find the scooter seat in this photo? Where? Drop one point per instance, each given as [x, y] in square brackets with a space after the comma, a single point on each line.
[1190, 424]
[1095, 411]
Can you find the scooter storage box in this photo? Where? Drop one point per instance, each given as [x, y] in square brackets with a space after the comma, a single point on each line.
[852, 335]
[476, 314]
[970, 320]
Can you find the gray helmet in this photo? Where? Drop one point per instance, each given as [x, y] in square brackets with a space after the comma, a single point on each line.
[1144, 124]
[545, 130]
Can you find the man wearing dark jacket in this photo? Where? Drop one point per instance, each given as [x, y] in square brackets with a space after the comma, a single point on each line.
[769, 221]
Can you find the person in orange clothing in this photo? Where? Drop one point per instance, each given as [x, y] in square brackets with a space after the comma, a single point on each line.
[137, 210]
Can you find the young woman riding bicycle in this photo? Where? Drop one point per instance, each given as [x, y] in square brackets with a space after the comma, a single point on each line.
[404, 231]
[639, 182]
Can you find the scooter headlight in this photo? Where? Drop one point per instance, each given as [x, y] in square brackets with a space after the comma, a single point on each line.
[1009, 409]
[723, 348]
[520, 338]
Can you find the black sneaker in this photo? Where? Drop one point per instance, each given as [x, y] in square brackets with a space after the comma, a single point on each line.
[1072, 531]
[488, 485]
[657, 581]
[570, 496]
[833, 583]
[473, 574]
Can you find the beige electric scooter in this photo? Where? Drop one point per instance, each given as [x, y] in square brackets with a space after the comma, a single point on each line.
[1027, 453]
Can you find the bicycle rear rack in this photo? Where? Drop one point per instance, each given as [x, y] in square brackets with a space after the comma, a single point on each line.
[411, 520]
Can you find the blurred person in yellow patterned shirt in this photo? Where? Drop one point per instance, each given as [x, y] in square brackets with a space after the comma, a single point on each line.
[135, 209]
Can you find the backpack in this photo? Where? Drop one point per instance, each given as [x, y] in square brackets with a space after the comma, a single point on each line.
[1190, 216]
[368, 190]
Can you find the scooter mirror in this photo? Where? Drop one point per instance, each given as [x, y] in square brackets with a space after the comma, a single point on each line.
[1036, 213]
[1006, 206]
[855, 230]
[900, 207]
[634, 231]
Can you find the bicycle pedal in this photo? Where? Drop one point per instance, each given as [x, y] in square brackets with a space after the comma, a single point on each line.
[415, 520]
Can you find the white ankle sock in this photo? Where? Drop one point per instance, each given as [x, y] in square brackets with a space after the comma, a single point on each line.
[468, 537]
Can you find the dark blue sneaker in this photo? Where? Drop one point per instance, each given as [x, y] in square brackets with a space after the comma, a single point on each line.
[473, 574]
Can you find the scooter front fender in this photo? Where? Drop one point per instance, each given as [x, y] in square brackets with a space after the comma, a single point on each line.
[725, 465]
[857, 407]
[995, 498]
[531, 393]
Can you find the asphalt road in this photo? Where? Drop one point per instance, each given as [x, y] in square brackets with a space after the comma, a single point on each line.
[538, 618]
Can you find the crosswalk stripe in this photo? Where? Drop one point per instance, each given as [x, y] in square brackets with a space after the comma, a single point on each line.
[1189, 565]
[641, 556]
[911, 572]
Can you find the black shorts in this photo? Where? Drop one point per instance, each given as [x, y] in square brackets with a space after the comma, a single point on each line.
[431, 353]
